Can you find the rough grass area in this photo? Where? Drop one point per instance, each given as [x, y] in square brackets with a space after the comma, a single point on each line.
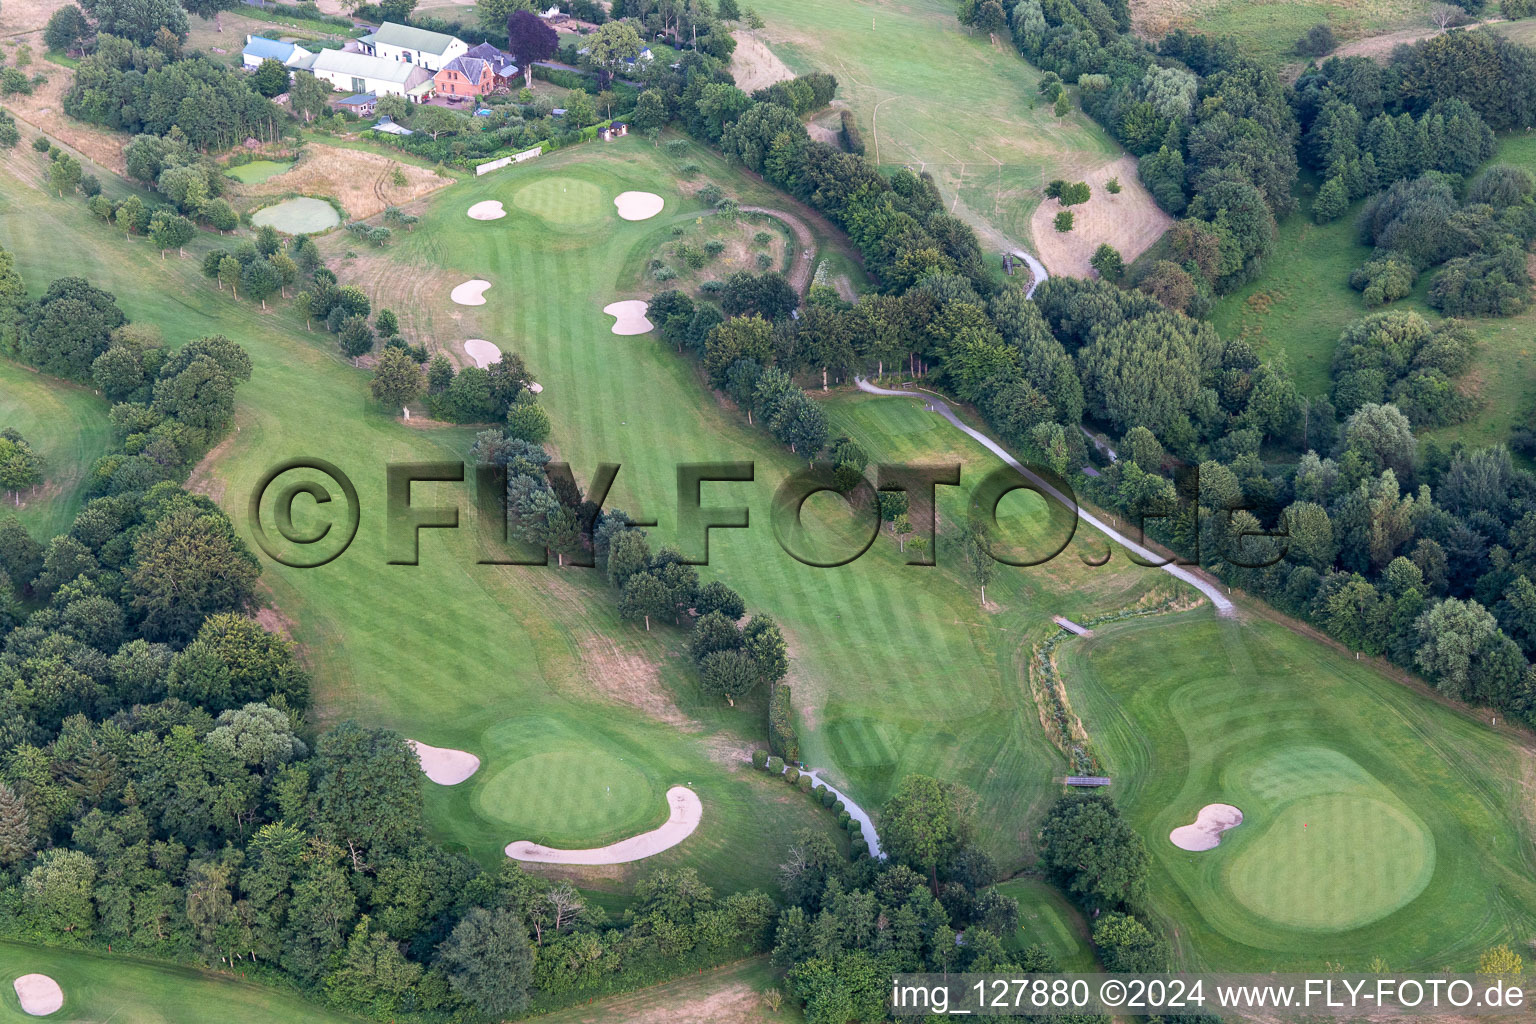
[754, 65]
[931, 95]
[1269, 31]
[1130, 221]
[1377, 822]
[728, 995]
[1302, 301]
[68, 426]
[362, 180]
[102, 987]
[739, 237]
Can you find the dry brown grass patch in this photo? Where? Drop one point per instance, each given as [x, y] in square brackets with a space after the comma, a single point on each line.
[44, 111]
[359, 179]
[754, 66]
[629, 678]
[1130, 222]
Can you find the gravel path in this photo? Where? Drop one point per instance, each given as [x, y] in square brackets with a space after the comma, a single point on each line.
[1224, 605]
[855, 812]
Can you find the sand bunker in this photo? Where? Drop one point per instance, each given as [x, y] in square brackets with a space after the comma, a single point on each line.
[686, 809]
[1205, 833]
[40, 995]
[482, 352]
[445, 766]
[630, 315]
[490, 209]
[470, 293]
[638, 205]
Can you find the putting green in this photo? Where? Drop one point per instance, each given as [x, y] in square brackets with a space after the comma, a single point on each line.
[1334, 862]
[299, 216]
[258, 171]
[561, 200]
[572, 794]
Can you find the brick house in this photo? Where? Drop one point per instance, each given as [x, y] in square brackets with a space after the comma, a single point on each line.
[465, 77]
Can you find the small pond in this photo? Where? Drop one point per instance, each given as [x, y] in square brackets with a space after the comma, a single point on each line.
[258, 171]
[300, 216]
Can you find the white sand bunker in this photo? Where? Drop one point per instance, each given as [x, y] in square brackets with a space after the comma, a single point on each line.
[470, 293]
[482, 352]
[687, 811]
[1205, 833]
[630, 315]
[490, 209]
[444, 765]
[638, 205]
[40, 995]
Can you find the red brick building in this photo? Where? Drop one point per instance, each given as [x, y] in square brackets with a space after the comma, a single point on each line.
[468, 77]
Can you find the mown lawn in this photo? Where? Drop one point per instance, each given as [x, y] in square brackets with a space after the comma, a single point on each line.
[1376, 823]
[101, 987]
[933, 96]
[65, 424]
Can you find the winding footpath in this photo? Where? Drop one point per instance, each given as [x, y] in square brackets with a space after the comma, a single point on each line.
[1223, 604]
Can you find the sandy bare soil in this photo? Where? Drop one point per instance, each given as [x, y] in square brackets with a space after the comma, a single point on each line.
[482, 352]
[686, 813]
[40, 995]
[638, 205]
[1205, 833]
[470, 293]
[1130, 222]
[754, 66]
[444, 765]
[490, 209]
[1379, 48]
[629, 316]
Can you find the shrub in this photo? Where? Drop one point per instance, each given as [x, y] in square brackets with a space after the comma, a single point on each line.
[851, 138]
[714, 247]
[853, 825]
[1317, 41]
[781, 723]
[1064, 221]
[664, 273]
[1383, 280]
[759, 759]
[688, 170]
[764, 261]
[676, 147]
[827, 797]
[805, 783]
[762, 238]
[839, 808]
[843, 819]
[677, 230]
[40, 144]
[792, 775]
[775, 765]
[712, 287]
